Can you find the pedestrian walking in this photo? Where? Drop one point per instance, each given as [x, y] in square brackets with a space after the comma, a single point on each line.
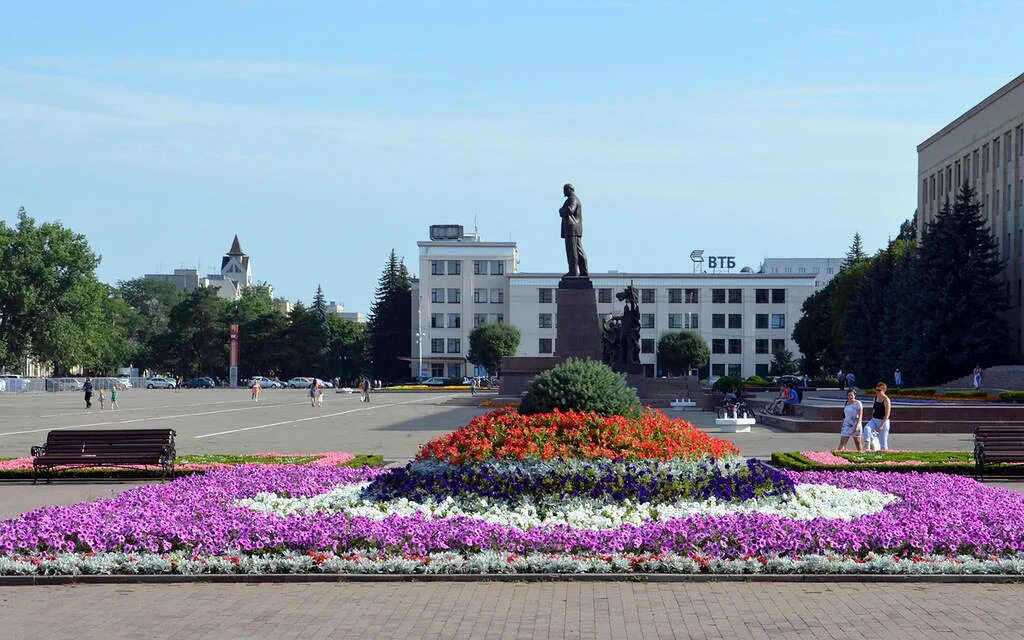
[87, 388]
[366, 390]
[113, 398]
[256, 388]
[841, 377]
[877, 429]
[312, 393]
[853, 415]
[851, 381]
[472, 386]
[102, 398]
[977, 377]
[897, 378]
[319, 393]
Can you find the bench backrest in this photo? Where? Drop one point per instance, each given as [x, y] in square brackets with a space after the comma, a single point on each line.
[1001, 437]
[141, 441]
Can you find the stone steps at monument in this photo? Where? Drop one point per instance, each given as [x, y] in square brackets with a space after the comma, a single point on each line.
[1005, 377]
[796, 424]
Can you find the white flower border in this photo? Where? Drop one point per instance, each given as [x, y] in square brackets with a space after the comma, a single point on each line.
[810, 501]
[492, 562]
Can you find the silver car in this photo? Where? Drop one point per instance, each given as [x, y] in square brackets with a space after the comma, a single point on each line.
[160, 383]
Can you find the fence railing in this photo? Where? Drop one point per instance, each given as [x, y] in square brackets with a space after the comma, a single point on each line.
[42, 385]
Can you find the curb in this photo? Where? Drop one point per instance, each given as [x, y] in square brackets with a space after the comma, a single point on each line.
[293, 578]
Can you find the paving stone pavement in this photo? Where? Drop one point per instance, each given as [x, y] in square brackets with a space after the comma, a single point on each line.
[514, 610]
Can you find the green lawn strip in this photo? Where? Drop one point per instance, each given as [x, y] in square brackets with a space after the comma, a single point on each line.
[361, 460]
[952, 457]
[793, 460]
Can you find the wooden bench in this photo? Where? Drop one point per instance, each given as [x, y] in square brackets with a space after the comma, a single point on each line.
[74, 449]
[997, 443]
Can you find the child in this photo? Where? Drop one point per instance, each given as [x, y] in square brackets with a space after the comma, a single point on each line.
[102, 397]
[256, 388]
[113, 398]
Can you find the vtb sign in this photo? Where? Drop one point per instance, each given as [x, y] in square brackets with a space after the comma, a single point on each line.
[712, 262]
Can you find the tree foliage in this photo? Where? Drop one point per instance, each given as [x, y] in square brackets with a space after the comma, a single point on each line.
[490, 342]
[783, 363]
[388, 327]
[680, 351]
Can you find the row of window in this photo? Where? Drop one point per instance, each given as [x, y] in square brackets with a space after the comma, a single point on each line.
[733, 346]
[454, 267]
[687, 320]
[437, 320]
[684, 296]
[454, 296]
[976, 164]
[437, 345]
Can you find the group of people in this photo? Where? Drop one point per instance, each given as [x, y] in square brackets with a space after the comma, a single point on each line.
[789, 394]
[101, 396]
[875, 433]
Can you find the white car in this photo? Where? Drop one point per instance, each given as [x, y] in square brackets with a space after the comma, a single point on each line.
[159, 383]
[13, 382]
[126, 382]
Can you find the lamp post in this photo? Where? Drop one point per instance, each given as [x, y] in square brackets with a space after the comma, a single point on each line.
[419, 337]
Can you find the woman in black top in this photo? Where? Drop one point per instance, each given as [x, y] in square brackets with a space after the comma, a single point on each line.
[879, 423]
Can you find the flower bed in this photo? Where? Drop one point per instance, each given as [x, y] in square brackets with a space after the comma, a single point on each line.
[953, 462]
[14, 468]
[285, 519]
[505, 434]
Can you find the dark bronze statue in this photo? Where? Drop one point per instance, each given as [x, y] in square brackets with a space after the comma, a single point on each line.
[572, 231]
[621, 339]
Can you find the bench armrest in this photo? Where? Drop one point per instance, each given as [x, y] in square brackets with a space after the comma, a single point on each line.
[39, 450]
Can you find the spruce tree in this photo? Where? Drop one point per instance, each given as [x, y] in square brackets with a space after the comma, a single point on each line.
[960, 298]
[389, 325]
[855, 254]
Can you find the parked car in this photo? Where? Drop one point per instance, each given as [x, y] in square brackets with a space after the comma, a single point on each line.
[108, 383]
[63, 384]
[126, 382]
[266, 383]
[326, 383]
[158, 382]
[198, 383]
[797, 381]
[12, 382]
[299, 382]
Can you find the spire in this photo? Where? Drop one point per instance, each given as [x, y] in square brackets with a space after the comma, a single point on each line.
[236, 248]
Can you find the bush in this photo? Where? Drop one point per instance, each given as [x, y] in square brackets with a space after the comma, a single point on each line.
[1012, 396]
[757, 381]
[726, 383]
[965, 394]
[581, 385]
[911, 392]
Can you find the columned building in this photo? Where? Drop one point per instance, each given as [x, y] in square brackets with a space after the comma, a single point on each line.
[984, 147]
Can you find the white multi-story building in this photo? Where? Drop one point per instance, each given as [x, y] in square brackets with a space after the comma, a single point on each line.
[824, 269]
[462, 283]
[744, 317]
[984, 148]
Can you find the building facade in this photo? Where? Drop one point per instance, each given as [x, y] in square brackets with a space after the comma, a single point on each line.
[464, 282]
[743, 317]
[235, 275]
[984, 147]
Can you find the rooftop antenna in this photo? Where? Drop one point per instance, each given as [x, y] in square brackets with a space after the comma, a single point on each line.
[476, 225]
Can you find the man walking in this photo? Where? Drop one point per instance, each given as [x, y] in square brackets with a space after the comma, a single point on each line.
[366, 390]
[87, 388]
[472, 386]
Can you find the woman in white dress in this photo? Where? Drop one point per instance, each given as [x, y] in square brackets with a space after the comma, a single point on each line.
[853, 414]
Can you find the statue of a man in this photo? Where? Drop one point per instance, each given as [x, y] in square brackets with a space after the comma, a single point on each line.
[572, 231]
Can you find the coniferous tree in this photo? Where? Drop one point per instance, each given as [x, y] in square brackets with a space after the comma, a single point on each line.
[959, 301]
[389, 325]
[855, 254]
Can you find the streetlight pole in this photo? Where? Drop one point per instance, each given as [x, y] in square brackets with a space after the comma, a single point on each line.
[419, 337]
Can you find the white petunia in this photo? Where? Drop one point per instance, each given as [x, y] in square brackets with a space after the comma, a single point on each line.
[810, 501]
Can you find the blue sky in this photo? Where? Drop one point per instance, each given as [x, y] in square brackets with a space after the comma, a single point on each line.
[326, 133]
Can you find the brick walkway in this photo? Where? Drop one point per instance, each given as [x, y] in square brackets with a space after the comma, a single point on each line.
[514, 610]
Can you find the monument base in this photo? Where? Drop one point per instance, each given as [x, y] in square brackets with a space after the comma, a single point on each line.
[578, 334]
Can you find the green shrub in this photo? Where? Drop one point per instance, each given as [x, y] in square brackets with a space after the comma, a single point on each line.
[1012, 396]
[910, 392]
[726, 383]
[757, 381]
[583, 385]
[965, 394]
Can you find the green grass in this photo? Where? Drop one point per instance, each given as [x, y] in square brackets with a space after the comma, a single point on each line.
[951, 462]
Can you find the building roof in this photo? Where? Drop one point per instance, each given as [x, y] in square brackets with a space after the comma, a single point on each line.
[999, 93]
[236, 248]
